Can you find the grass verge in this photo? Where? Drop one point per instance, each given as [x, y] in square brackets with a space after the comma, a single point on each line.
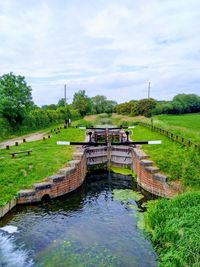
[173, 226]
[47, 157]
[177, 161]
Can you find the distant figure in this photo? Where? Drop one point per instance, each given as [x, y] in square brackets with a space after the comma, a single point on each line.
[67, 123]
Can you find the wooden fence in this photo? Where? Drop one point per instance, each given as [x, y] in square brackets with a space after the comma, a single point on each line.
[174, 137]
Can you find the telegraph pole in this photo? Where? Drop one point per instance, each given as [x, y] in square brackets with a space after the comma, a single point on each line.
[149, 88]
[65, 94]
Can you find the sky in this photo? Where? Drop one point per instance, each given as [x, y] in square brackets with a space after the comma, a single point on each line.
[105, 47]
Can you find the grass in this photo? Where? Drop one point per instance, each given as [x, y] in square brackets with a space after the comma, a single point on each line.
[179, 162]
[47, 157]
[173, 225]
[174, 229]
[187, 125]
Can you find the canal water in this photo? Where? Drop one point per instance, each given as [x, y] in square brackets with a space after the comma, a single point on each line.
[97, 225]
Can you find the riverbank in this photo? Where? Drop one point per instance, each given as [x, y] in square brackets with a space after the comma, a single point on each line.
[46, 158]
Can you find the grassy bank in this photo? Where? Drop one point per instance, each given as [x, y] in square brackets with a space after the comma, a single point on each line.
[173, 225]
[187, 125]
[174, 229]
[47, 157]
[178, 162]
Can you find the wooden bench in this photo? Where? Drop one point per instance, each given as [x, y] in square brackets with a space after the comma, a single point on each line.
[21, 152]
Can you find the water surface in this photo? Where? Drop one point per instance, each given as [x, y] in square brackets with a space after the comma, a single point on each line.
[97, 225]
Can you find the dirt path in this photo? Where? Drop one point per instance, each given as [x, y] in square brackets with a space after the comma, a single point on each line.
[29, 138]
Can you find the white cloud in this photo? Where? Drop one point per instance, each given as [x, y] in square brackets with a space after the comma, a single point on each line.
[106, 47]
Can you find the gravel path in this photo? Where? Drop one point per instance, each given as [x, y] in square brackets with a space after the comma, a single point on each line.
[29, 138]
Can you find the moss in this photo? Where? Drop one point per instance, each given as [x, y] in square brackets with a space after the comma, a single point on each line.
[124, 171]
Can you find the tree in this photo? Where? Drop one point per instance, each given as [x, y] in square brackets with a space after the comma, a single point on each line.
[82, 102]
[110, 106]
[145, 106]
[15, 98]
[61, 103]
[189, 102]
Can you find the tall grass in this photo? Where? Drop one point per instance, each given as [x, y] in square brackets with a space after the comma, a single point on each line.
[174, 228]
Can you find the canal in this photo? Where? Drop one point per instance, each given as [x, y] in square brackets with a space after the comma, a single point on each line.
[97, 225]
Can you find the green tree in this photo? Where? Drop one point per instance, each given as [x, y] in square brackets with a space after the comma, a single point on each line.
[15, 98]
[98, 104]
[145, 107]
[110, 106]
[82, 102]
[189, 102]
[61, 103]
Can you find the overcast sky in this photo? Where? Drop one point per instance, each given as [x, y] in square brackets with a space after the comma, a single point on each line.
[109, 47]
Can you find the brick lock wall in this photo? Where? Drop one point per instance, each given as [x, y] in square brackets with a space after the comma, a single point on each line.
[66, 180]
[149, 177]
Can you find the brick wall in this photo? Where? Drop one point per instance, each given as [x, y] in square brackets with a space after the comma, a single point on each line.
[149, 177]
[66, 180]
[71, 177]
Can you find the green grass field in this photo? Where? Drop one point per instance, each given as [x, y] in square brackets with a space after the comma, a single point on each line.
[187, 125]
[47, 157]
[179, 162]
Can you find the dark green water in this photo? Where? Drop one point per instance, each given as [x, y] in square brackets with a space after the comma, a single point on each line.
[95, 226]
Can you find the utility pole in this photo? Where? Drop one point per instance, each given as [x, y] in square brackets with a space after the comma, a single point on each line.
[65, 95]
[149, 88]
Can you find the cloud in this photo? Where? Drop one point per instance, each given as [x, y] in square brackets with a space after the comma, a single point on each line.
[105, 47]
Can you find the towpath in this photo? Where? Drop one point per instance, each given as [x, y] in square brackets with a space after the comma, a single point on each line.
[29, 138]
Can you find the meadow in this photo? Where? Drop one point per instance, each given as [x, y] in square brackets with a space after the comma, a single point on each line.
[186, 125]
[46, 158]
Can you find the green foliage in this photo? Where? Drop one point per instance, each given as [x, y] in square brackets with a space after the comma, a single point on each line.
[5, 128]
[127, 108]
[177, 161]
[82, 102]
[144, 107]
[189, 102]
[182, 103]
[175, 230]
[47, 157]
[15, 99]
[61, 103]
[100, 104]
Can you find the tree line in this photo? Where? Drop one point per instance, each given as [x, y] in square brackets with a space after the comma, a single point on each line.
[19, 112]
[180, 104]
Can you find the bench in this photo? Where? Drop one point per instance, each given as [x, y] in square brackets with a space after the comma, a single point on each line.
[21, 152]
